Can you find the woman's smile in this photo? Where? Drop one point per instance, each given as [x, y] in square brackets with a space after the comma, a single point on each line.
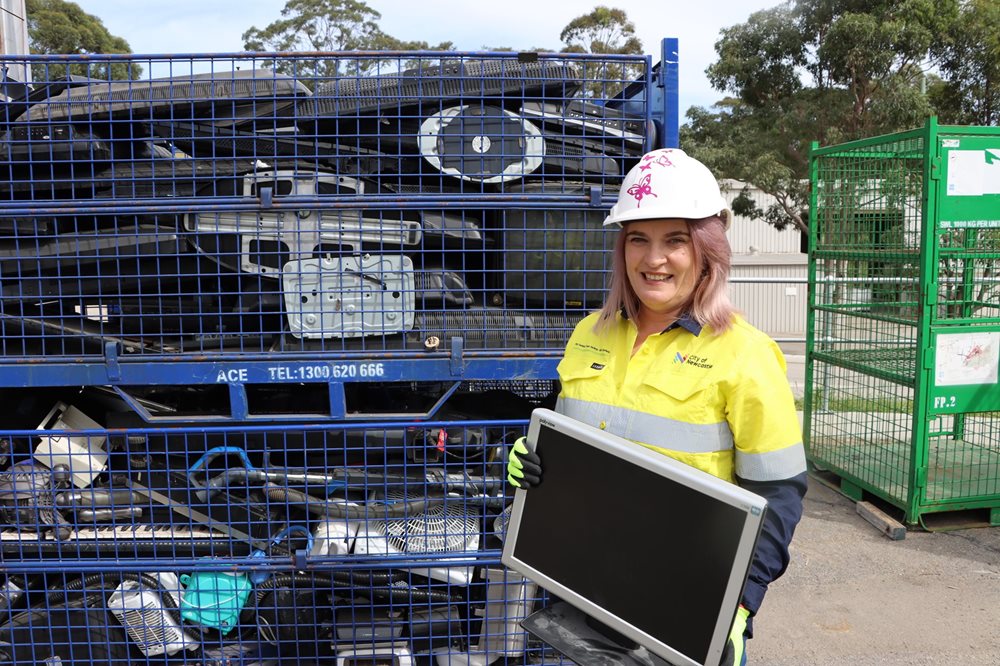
[659, 262]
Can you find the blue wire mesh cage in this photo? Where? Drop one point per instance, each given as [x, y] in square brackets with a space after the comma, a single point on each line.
[297, 544]
[350, 204]
[376, 256]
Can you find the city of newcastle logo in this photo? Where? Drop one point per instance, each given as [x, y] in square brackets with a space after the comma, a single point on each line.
[691, 359]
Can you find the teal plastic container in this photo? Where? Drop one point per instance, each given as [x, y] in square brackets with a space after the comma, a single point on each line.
[214, 598]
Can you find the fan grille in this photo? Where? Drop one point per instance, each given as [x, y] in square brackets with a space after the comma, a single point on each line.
[443, 528]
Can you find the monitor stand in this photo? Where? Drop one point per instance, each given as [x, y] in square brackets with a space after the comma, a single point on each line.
[586, 641]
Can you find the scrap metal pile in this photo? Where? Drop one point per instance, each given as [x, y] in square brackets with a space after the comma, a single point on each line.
[336, 227]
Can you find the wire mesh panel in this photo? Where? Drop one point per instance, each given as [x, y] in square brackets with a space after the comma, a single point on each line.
[861, 425]
[351, 203]
[904, 346]
[294, 544]
[400, 242]
[867, 255]
[967, 277]
[285, 617]
[964, 458]
[411, 488]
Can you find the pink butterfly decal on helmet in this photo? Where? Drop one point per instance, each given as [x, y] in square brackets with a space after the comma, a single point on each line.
[658, 157]
[641, 189]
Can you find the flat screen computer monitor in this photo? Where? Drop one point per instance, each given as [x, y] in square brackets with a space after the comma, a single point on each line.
[651, 548]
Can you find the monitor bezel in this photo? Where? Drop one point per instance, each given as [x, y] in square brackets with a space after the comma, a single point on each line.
[751, 504]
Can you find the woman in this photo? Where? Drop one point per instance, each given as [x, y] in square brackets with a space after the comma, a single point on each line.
[669, 364]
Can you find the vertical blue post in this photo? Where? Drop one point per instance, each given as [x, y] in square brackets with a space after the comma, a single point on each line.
[239, 406]
[669, 58]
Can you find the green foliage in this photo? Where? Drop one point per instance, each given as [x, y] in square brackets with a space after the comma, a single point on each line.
[970, 62]
[823, 70]
[605, 31]
[61, 27]
[322, 26]
[412, 63]
[318, 25]
[760, 60]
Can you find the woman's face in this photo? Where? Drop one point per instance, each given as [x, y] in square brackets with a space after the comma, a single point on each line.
[659, 262]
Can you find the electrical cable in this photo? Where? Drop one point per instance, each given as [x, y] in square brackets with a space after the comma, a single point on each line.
[400, 595]
[344, 509]
[83, 584]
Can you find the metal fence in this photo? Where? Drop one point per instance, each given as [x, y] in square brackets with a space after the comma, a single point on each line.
[904, 333]
[350, 208]
[268, 324]
[441, 212]
[253, 544]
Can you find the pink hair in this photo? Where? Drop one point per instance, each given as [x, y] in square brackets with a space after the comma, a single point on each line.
[709, 304]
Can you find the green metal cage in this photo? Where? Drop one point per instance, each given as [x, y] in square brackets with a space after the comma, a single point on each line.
[903, 348]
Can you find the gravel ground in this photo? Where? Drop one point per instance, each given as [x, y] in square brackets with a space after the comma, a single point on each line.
[853, 596]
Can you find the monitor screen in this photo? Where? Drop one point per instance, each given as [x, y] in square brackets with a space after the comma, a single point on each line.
[653, 548]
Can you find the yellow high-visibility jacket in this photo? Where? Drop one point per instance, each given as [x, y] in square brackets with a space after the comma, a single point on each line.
[720, 403]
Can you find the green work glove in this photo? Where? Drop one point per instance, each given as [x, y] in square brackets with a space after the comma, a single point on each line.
[733, 655]
[524, 467]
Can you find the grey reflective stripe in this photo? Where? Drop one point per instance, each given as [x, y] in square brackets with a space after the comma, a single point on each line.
[772, 465]
[649, 428]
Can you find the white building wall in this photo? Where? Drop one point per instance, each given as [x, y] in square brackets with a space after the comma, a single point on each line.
[777, 306]
[748, 236]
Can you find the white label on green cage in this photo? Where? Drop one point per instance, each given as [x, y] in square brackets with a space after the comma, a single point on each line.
[970, 224]
[967, 358]
[973, 173]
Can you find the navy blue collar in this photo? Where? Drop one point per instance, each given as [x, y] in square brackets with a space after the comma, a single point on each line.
[685, 321]
[688, 323]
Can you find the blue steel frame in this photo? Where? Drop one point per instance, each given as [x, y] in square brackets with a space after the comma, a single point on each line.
[655, 98]
[186, 441]
[223, 528]
[81, 504]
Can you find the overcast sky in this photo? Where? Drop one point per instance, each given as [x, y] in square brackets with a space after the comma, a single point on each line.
[216, 26]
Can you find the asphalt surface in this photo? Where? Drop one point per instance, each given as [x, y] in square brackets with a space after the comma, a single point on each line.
[853, 596]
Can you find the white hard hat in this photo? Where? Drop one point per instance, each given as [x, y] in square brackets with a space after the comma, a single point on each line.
[666, 183]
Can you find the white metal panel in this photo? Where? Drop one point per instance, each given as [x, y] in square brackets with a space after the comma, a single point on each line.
[13, 38]
[775, 307]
